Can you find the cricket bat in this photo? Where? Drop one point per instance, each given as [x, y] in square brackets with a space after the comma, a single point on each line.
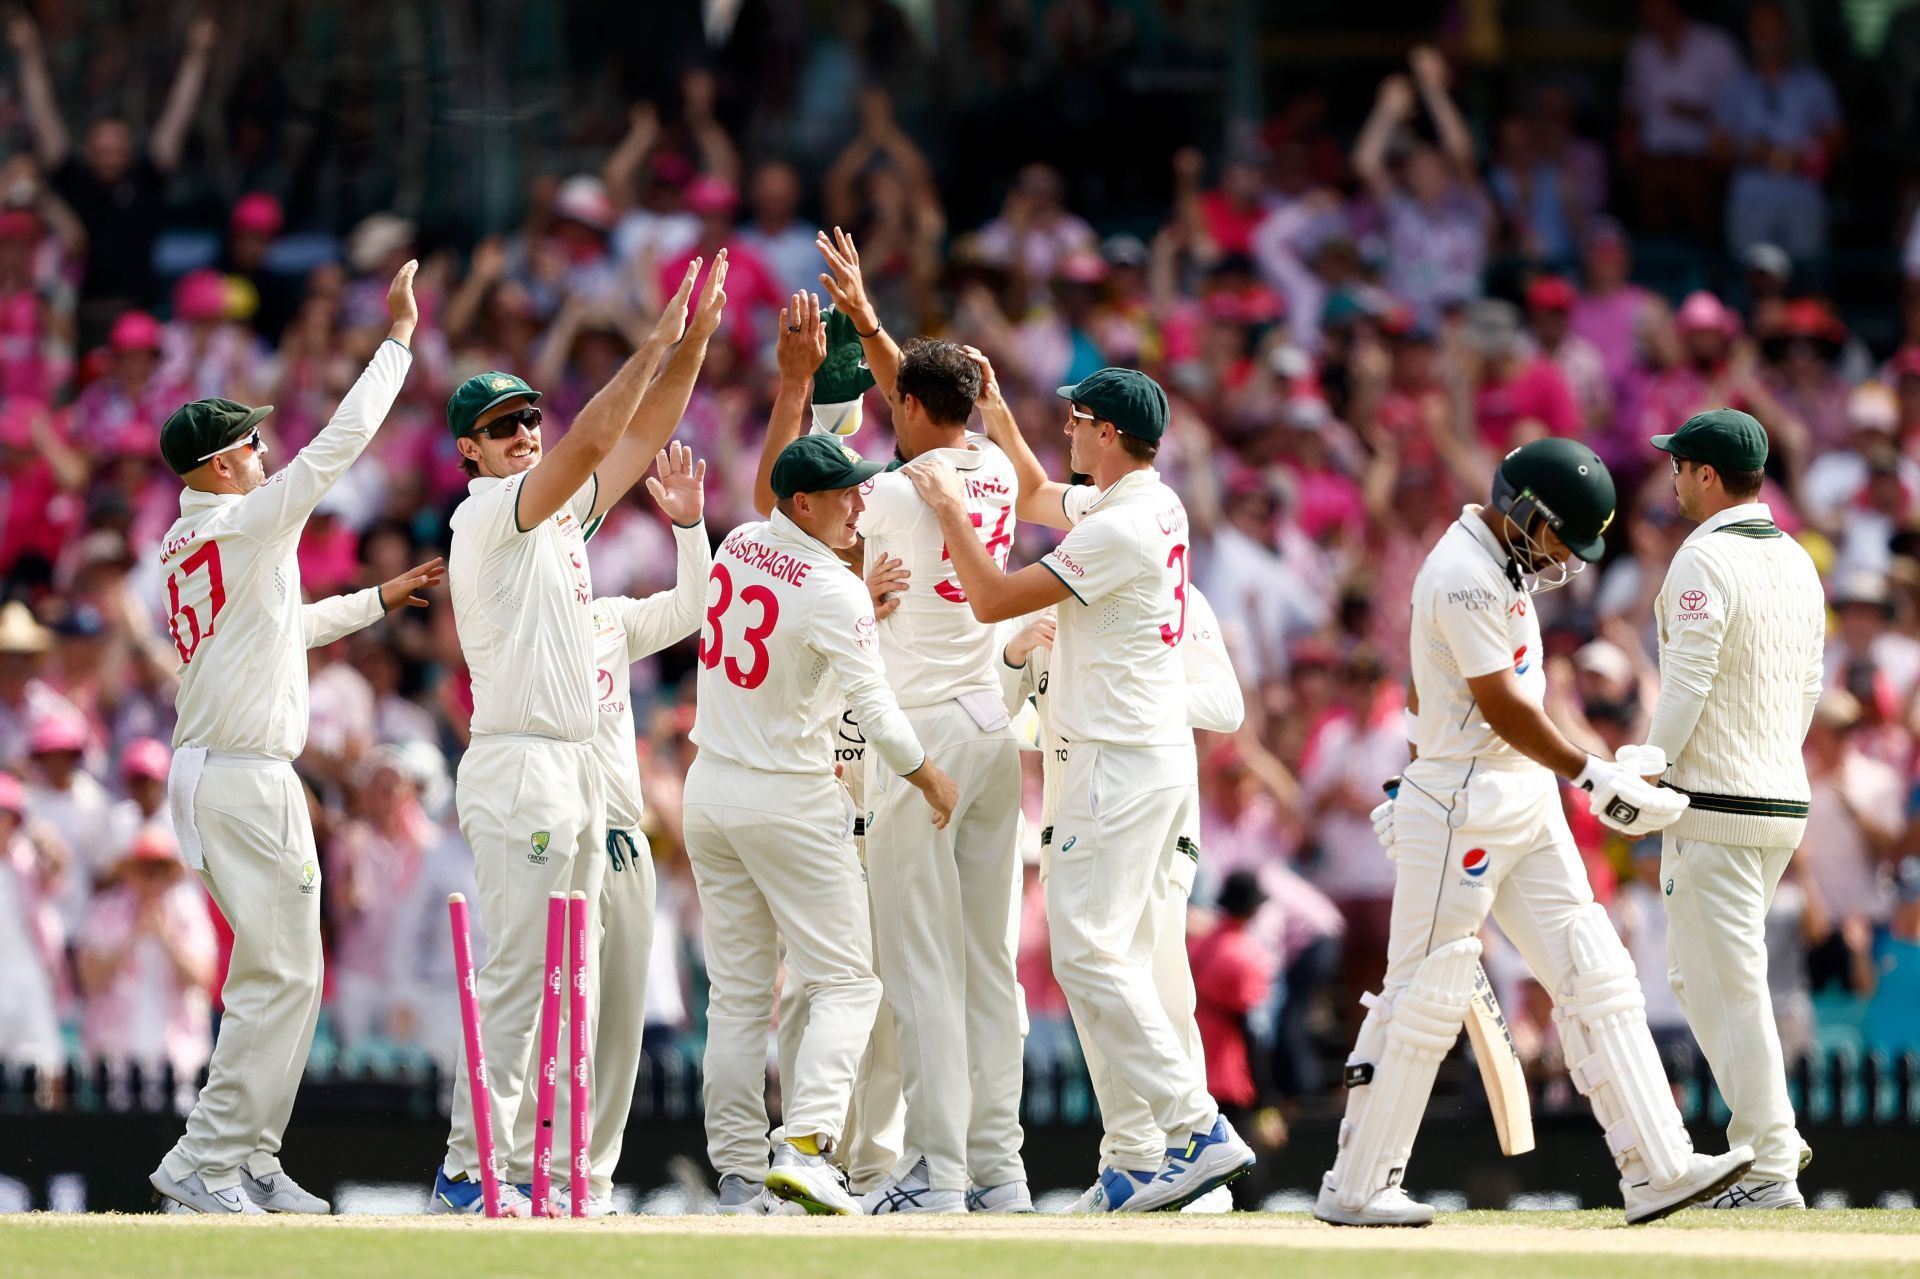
[1500, 1071]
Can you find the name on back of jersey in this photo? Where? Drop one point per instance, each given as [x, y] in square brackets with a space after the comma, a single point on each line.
[776, 564]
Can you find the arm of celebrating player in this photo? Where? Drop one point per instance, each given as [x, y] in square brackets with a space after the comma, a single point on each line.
[1041, 500]
[325, 621]
[798, 351]
[1019, 638]
[993, 595]
[663, 403]
[601, 425]
[279, 507]
[848, 289]
[845, 633]
[668, 616]
[1693, 625]
[1214, 700]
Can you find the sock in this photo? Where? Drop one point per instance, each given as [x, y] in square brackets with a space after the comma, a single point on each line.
[805, 1145]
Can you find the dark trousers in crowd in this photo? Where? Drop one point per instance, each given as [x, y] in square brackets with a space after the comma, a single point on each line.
[1296, 1062]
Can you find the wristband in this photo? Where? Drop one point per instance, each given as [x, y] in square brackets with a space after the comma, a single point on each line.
[1585, 779]
[1409, 724]
[876, 332]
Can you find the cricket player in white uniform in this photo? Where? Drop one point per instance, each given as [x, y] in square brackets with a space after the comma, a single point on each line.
[943, 899]
[1477, 824]
[624, 631]
[1130, 1143]
[1121, 578]
[530, 796]
[788, 640]
[1742, 636]
[242, 630]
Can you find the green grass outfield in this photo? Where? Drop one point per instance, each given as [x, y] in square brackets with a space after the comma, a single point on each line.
[1536, 1245]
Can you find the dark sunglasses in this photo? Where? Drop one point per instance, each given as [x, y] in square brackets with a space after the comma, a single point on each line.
[508, 425]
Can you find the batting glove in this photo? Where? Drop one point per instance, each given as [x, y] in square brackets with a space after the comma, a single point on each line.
[1622, 799]
[1382, 815]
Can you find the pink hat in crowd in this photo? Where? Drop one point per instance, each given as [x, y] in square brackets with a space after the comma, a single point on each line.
[57, 732]
[583, 199]
[257, 213]
[135, 331]
[709, 194]
[16, 428]
[1702, 310]
[1549, 293]
[146, 757]
[152, 844]
[200, 295]
[13, 796]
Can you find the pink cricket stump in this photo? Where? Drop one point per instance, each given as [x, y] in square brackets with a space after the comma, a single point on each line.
[476, 1054]
[549, 1054]
[577, 1016]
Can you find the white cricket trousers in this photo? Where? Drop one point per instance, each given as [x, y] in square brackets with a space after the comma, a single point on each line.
[1717, 898]
[622, 932]
[875, 1135]
[264, 874]
[532, 809]
[942, 902]
[773, 858]
[1122, 812]
[1469, 838]
[1130, 1139]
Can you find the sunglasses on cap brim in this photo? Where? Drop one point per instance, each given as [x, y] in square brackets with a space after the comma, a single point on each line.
[251, 440]
[508, 425]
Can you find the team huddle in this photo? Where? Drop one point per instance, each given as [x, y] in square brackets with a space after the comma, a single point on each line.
[868, 673]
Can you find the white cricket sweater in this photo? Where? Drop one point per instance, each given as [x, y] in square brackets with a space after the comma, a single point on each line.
[1742, 634]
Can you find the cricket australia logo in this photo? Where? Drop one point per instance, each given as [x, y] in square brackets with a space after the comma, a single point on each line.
[538, 854]
[309, 876]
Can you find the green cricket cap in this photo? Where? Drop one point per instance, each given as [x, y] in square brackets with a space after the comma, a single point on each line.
[818, 463]
[194, 431]
[478, 394]
[1725, 439]
[1128, 398]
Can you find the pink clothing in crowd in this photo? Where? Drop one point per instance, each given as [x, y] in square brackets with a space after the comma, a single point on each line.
[149, 1013]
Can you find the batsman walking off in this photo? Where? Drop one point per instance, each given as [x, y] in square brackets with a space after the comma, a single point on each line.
[1129, 794]
[1743, 625]
[1476, 825]
[531, 800]
[242, 631]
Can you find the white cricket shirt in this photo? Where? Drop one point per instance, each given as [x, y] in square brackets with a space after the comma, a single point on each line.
[523, 605]
[624, 631]
[1470, 618]
[933, 647]
[1120, 679]
[788, 645]
[232, 574]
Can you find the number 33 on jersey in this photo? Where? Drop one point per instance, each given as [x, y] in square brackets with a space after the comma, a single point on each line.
[787, 633]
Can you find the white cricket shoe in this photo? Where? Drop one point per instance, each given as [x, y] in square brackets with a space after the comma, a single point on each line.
[1207, 1160]
[278, 1192]
[1754, 1193]
[914, 1192]
[191, 1193]
[1217, 1200]
[1390, 1207]
[811, 1182]
[1008, 1196]
[1705, 1177]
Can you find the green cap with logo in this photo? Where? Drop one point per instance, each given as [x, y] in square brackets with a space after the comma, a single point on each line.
[1128, 398]
[1725, 439]
[194, 432]
[478, 394]
[818, 463]
[1563, 481]
[842, 379]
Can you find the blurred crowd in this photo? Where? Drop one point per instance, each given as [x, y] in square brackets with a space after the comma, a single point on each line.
[1354, 318]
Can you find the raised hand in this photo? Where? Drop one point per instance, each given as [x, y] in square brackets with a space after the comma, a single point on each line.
[401, 590]
[713, 300]
[989, 383]
[202, 34]
[800, 347]
[672, 324]
[678, 484]
[886, 581]
[845, 285]
[935, 480]
[401, 304]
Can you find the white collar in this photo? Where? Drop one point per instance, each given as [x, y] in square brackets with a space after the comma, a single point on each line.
[1477, 529]
[1144, 475]
[192, 500]
[1732, 515]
